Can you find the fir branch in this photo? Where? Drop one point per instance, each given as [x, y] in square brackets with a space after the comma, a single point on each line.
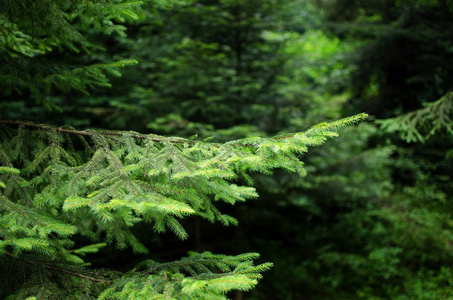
[199, 276]
[315, 129]
[131, 178]
[421, 124]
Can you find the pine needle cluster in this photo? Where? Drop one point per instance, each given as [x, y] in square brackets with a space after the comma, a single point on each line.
[58, 183]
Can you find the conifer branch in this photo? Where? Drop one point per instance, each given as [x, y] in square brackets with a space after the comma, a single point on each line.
[130, 178]
[421, 124]
[323, 126]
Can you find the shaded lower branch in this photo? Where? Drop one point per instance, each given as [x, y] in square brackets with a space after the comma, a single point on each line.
[64, 270]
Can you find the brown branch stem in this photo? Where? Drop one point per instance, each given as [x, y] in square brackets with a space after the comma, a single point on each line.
[89, 133]
[86, 132]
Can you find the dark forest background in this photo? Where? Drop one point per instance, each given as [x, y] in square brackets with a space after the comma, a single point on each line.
[373, 218]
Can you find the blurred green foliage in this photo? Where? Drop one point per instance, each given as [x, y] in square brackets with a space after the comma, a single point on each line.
[373, 218]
